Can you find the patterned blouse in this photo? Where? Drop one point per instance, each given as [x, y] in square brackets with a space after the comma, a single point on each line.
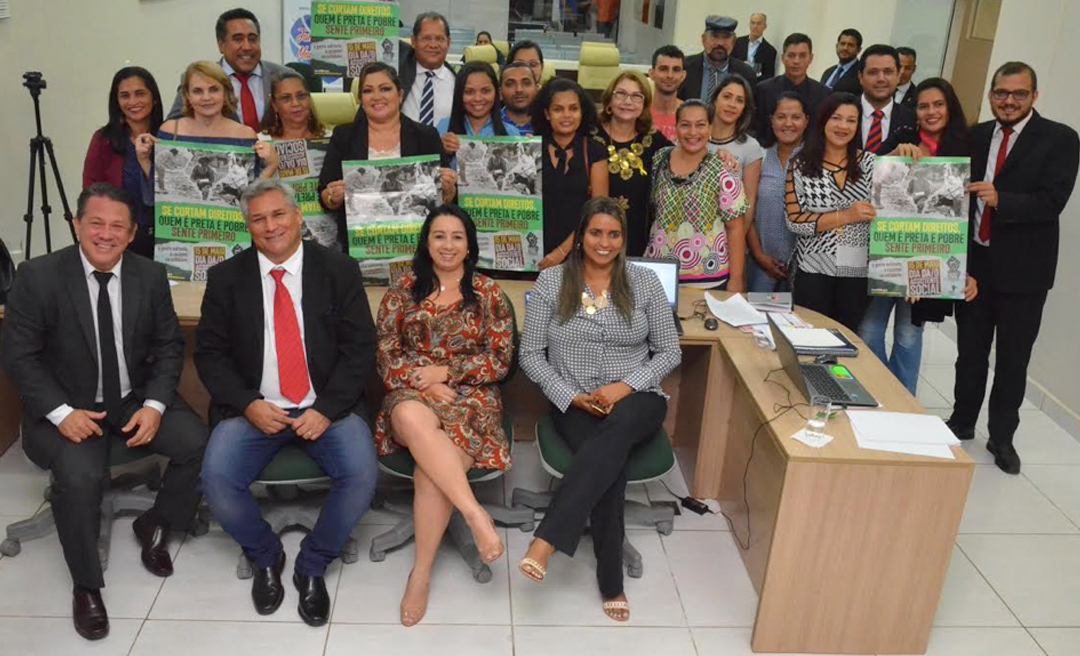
[476, 345]
[691, 216]
[590, 351]
[843, 251]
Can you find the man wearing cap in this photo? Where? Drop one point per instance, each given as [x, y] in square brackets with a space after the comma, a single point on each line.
[705, 70]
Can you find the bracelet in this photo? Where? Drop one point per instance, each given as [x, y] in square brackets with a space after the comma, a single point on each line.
[561, 251]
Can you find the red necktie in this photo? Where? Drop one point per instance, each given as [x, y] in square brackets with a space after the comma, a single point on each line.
[1003, 152]
[873, 138]
[292, 368]
[249, 114]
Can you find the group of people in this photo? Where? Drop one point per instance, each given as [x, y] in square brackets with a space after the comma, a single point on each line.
[752, 182]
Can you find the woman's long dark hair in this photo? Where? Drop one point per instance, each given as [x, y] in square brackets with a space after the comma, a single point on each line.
[457, 110]
[116, 130]
[424, 268]
[955, 140]
[573, 281]
[811, 157]
[542, 127]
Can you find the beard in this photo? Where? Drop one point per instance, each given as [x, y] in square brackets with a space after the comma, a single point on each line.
[718, 55]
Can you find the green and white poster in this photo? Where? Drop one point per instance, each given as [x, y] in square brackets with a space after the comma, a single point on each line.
[386, 202]
[346, 35]
[499, 185]
[197, 220]
[301, 163]
[918, 240]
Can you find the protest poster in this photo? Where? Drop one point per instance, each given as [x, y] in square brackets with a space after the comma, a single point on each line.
[386, 202]
[346, 35]
[499, 185]
[918, 240]
[301, 162]
[197, 220]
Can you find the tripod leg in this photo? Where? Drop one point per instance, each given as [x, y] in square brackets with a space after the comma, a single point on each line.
[29, 216]
[60, 187]
[46, 209]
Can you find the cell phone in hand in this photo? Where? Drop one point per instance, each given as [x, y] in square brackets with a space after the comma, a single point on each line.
[598, 408]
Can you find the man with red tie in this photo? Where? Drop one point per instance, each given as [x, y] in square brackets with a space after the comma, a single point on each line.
[285, 345]
[885, 122]
[1023, 168]
[238, 38]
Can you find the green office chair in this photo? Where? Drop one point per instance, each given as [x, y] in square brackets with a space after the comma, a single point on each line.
[648, 462]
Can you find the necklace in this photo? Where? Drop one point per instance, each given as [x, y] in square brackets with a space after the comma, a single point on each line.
[442, 287]
[592, 305]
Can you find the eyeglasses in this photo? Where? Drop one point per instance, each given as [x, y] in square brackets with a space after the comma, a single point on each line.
[636, 97]
[288, 98]
[1003, 94]
[437, 40]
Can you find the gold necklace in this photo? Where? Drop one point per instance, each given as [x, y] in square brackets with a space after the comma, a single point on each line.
[592, 305]
[442, 287]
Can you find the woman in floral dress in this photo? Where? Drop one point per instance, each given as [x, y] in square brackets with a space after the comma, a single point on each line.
[445, 340]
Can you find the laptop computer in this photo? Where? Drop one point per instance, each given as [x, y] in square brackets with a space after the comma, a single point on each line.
[834, 381]
[668, 272]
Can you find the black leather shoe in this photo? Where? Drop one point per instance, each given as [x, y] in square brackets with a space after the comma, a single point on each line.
[1005, 457]
[961, 432]
[88, 611]
[154, 538]
[314, 603]
[266, 588]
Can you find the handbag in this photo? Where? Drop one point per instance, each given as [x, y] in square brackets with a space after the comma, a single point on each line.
[7, 272]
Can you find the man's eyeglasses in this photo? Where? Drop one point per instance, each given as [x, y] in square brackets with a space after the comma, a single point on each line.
[1003, 94]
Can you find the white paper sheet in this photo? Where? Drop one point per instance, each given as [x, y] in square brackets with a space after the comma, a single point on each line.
[816, 443]
[735, 311]
[903, 427]
[811, 337]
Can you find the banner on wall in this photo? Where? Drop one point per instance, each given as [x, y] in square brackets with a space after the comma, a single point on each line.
[348, 34]
[499, 185]
[386, 202]
[918, 240]
[197, 220]
[301, 163]
[296, 31]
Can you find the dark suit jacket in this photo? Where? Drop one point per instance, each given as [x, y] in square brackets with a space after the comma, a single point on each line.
[765, 55]
[407, 68]
[812, 91]
[339, 334]
[695, 67]
[350, 142]
[909, 97]
[48, 347]
[1033, 187]
[848, 82]
[270, 69]
[903, 128]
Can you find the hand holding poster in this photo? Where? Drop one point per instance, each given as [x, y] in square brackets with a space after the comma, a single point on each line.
[301, 163]
[499, 180]
[197, 220]
[918, 241]
[346, 35]
[386, 202]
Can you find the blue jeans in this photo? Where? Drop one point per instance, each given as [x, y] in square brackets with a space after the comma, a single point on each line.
[759, 281]
[237, 454]
[907, 338]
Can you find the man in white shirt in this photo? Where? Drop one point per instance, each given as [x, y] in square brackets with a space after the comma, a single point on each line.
[905, 90]
[885, 123]
[93, 346]
[426, 79]
[755, 50]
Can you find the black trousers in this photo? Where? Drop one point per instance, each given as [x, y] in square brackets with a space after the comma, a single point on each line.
[1016, 319]
[81, 476]
[593, 489]
[842, 299]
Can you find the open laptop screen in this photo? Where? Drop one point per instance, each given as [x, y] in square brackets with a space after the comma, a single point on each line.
[668, 272]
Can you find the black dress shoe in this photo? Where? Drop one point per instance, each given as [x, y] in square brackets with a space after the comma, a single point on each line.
[1005, 457]
[266, 588]
[961, 432]
[88, 611]
[154, 538]
[314, 603]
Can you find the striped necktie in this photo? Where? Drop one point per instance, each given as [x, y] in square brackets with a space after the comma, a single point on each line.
[427, 100]
[873, 137]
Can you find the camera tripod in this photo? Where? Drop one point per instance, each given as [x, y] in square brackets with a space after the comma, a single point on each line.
[40, 146]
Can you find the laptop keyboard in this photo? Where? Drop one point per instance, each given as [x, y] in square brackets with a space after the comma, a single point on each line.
[824, 383]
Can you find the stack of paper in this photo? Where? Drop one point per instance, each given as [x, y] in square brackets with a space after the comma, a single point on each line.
[811, 338]
[900, 432]
[735, 311]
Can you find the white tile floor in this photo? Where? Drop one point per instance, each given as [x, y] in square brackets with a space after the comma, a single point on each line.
[1013, 587]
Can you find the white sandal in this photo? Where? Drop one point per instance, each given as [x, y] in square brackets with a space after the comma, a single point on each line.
[532, 569]
[610, 606]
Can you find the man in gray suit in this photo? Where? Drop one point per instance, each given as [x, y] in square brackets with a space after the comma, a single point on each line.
[238, 39]
[93, 346]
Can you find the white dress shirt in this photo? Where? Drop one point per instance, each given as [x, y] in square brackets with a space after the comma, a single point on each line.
[901, 91]
[270, 385]
[991, 163]
[444, 94]
[60, 413]
[255, 83]
[868, 119]
[752, 48]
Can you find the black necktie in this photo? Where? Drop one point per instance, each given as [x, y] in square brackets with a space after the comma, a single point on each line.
[109, 362]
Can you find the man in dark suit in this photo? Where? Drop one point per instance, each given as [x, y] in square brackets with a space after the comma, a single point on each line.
[844, 75]
[238, 38]
[705, 69]
[798, 54]
[285, 346]
[1023, 168]
[92, 344]
[427, 81]
[755, 50]
[885, 122]
[905, 90]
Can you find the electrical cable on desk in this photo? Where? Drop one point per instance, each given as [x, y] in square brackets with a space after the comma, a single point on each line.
[700, 311]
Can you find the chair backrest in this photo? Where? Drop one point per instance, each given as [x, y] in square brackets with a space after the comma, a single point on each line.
[597, 65]
[335, 108]
[484, 53]
[503, 47]
[547, 73]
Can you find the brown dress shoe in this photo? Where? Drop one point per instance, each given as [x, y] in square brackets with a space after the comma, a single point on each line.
[88, 611]
[154, 538]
